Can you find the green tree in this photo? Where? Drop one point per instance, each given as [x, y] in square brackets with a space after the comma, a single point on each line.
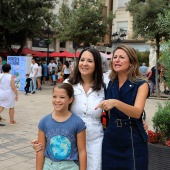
[143, 57]
[83, 22]
[22, 20]
[163, 21]
[145, 17]
[165, 60]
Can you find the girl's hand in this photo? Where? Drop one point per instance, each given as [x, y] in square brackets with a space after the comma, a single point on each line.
[36, 146]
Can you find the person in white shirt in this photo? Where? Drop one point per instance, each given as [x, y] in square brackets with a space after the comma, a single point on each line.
[143, 70]
[33, 76]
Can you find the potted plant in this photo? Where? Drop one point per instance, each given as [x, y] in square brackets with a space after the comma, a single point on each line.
[159, 139]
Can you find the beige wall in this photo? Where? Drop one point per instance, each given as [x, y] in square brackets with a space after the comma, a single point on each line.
[122, 15]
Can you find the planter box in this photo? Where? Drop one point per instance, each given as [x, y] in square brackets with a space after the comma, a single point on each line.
[159, 157]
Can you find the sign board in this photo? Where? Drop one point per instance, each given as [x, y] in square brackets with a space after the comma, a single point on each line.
[20, 66]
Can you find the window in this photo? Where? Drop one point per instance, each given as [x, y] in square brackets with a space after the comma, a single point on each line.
[121, 3]
[122, 25]
[105, 11]
[62, 44]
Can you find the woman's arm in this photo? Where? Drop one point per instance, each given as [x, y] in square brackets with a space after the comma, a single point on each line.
[40, 154]
[81, 145]
[131, 111]
[14, 88]
[62, 70]
[150, 73]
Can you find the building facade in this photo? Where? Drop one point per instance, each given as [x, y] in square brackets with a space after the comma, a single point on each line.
[123, 20]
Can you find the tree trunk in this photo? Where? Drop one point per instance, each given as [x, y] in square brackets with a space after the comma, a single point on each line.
[157, 66]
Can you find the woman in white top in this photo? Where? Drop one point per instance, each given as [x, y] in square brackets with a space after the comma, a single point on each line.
[8, 92]
[66, 70]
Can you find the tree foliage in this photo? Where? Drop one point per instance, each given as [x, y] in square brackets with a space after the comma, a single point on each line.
[82, 22]
[23, 19]
[164, 21]
[165, 60]
[145, 16]
[143, 57]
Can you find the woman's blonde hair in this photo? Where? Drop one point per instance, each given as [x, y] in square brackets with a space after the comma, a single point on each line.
[133, 72]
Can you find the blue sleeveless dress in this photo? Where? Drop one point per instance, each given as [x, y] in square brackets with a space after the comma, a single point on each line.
[124, 144]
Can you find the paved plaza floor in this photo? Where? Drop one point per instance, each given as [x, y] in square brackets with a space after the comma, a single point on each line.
[16, 152]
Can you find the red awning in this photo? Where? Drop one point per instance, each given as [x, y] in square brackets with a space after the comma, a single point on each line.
[55, 54]
[26, 51]
[40, 54]
[77, 54]
[66, 54]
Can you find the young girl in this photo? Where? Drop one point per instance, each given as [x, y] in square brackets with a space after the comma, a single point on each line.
[62, 134]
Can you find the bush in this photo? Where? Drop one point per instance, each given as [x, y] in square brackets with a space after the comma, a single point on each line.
[161, 125]
[165, 60]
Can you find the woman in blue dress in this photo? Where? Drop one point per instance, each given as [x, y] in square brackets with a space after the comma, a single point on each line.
[125, 140]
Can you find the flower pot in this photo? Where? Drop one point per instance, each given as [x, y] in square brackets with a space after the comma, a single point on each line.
[158, 157]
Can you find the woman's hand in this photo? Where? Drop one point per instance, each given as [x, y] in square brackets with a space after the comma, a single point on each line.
[36, 146]
[16, 98]
[106, 104]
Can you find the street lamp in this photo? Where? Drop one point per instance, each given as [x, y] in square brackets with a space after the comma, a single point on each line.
[48, 32]
[119, 37]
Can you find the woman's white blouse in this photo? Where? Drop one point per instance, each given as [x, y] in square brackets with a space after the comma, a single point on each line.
[84, 107]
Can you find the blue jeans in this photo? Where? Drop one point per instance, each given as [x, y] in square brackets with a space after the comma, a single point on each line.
[33, 84]
[151, 85]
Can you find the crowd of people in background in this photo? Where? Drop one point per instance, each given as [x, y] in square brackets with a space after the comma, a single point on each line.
[57, 71]
[150, 75]
[41, 73]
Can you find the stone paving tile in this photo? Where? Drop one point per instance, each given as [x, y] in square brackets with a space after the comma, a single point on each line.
[7, 163]
[7, 155]
[20, 166]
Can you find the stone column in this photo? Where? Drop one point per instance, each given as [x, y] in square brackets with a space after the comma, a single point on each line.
[152, 56]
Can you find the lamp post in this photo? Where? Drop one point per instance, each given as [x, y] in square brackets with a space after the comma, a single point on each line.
[48, 32]
[119, 37]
